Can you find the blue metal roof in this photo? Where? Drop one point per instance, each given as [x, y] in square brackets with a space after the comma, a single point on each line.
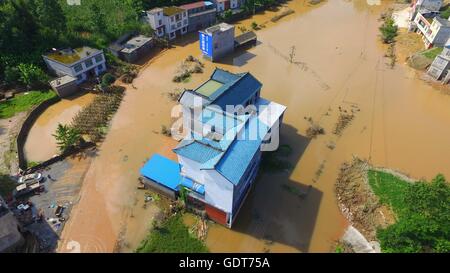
[197, 151]
[236, 88]
[223, 76]
[239, 155]
[162, 170]
[239, 92]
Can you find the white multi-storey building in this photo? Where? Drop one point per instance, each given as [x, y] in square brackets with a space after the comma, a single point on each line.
[79, 63]
[168, 21]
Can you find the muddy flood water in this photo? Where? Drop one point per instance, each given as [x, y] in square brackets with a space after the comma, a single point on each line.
[400, 122]
[40, 144]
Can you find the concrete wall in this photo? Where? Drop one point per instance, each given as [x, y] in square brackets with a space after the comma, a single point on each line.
[191, 169]
[201, 21]
[223, 43]
[26, 127]
[67, 89]
[218, 191]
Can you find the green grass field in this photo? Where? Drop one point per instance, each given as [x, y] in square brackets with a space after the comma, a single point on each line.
[432, 53]
[389, 188]
[172, 237]
[24, 102]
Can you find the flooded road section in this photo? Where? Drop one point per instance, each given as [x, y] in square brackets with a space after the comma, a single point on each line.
[40, 144]
[399, 122]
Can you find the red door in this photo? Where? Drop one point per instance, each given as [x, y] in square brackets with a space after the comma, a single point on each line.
[227, 5]
[216, 215]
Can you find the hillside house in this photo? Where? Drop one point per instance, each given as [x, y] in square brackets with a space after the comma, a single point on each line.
[425, 7]
[168, 21]
[435, 32]
[227, 127]
[79, 63]
[201, 14]
[440, 67]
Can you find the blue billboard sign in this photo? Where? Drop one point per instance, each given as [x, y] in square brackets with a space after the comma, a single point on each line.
[206, 44]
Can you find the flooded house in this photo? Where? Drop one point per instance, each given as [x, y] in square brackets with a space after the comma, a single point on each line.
[223, 5]
[227, 126]
[79, 63]
[168, 21]
[217, 41]
[435, 31]
[202, 14]
[439, 69]
[131, 47]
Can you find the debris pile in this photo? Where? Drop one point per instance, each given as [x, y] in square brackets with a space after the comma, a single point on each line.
[314, 129]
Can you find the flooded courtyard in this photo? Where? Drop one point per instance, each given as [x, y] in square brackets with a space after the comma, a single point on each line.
[399, 122]
[40, 144]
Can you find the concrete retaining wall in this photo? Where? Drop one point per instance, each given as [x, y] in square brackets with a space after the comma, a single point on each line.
[26, 127]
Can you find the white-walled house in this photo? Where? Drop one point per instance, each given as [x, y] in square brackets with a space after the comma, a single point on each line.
[79, 63]
[168, 21]
[223, 5]
[435, 32]
[228, 126]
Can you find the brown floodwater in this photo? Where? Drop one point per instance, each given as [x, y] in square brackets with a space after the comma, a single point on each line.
[400, 122]
[40, 144]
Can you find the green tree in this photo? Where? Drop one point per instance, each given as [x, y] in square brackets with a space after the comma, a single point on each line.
[31, 75]
[51, 19]
[388, 30]
[66, 137]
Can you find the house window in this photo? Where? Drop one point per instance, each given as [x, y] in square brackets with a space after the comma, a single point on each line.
[78, 67]
[98, 58]
[172, 19]
[159, 22]
[88, 63]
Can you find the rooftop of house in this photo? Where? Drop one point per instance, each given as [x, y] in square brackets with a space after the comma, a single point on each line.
[169, 11]
[225, 88]
[62, 81]
[69, 56]
[442, 21]
[195, 5]
[167, 172]
[135, 43]
[219, 28]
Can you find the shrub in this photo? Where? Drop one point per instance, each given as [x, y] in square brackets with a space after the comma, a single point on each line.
[11, 75]
[108, 79]
[31, 75]
[388, 31]
[423, 211]
[171, 236]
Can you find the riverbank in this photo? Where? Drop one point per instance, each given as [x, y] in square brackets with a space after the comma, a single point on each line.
[392, 211]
